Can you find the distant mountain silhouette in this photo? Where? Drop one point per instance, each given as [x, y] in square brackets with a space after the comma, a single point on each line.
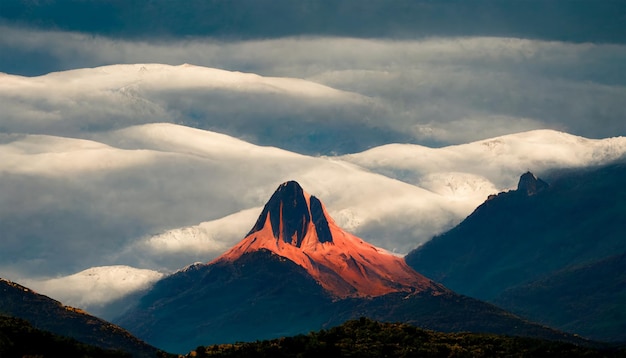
[549, 253]
[296, 271]
[47, 314]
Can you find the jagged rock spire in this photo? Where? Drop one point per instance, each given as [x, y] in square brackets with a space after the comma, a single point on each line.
[530, 184]
[296, 226]
[290, 212]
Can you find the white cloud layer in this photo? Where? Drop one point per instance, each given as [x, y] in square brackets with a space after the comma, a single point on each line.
[95, 288]
[430, 91]
[488, 164]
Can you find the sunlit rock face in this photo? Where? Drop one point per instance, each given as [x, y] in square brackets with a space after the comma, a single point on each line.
[290, 212]
[295, 225]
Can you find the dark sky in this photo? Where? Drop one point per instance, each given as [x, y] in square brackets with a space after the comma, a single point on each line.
[572, 20]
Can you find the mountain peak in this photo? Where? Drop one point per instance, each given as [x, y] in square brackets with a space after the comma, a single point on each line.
[289, 212]
[530, 184]
[296, 226]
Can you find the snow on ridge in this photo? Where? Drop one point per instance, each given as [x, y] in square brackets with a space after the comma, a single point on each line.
[191, 267]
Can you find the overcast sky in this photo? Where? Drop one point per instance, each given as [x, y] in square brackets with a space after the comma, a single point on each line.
[436, 72]
[315, 79]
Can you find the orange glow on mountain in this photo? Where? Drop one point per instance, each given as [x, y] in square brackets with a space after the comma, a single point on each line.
[296, 225]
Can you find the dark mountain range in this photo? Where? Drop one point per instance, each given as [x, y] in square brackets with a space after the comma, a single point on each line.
[46, 314]
[297, 271]
[552, 253]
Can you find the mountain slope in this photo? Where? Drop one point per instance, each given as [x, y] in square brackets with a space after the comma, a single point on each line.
[261, 295]
[20, 339]
[47, 314]
[596, 311]
[516, 238]
[297, 271]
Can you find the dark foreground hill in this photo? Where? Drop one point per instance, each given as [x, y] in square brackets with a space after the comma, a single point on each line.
[46, 314]
[367, 338]
[20, 339]
[551, 253]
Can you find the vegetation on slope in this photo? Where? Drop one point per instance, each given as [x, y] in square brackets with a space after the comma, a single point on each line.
[50, 315]
[19, 339]
[367, 338]
[599, 313]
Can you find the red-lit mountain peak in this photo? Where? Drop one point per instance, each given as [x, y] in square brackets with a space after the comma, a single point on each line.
[295, 225]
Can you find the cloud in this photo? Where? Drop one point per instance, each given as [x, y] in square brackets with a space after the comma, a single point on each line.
[97, 287]
[197, 243]
[297, 114]
[411, 90]
[482, 126]
[134, 183]
[468, 169]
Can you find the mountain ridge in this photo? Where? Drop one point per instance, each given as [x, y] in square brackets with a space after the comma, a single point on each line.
[50, 315]
[530, 242]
